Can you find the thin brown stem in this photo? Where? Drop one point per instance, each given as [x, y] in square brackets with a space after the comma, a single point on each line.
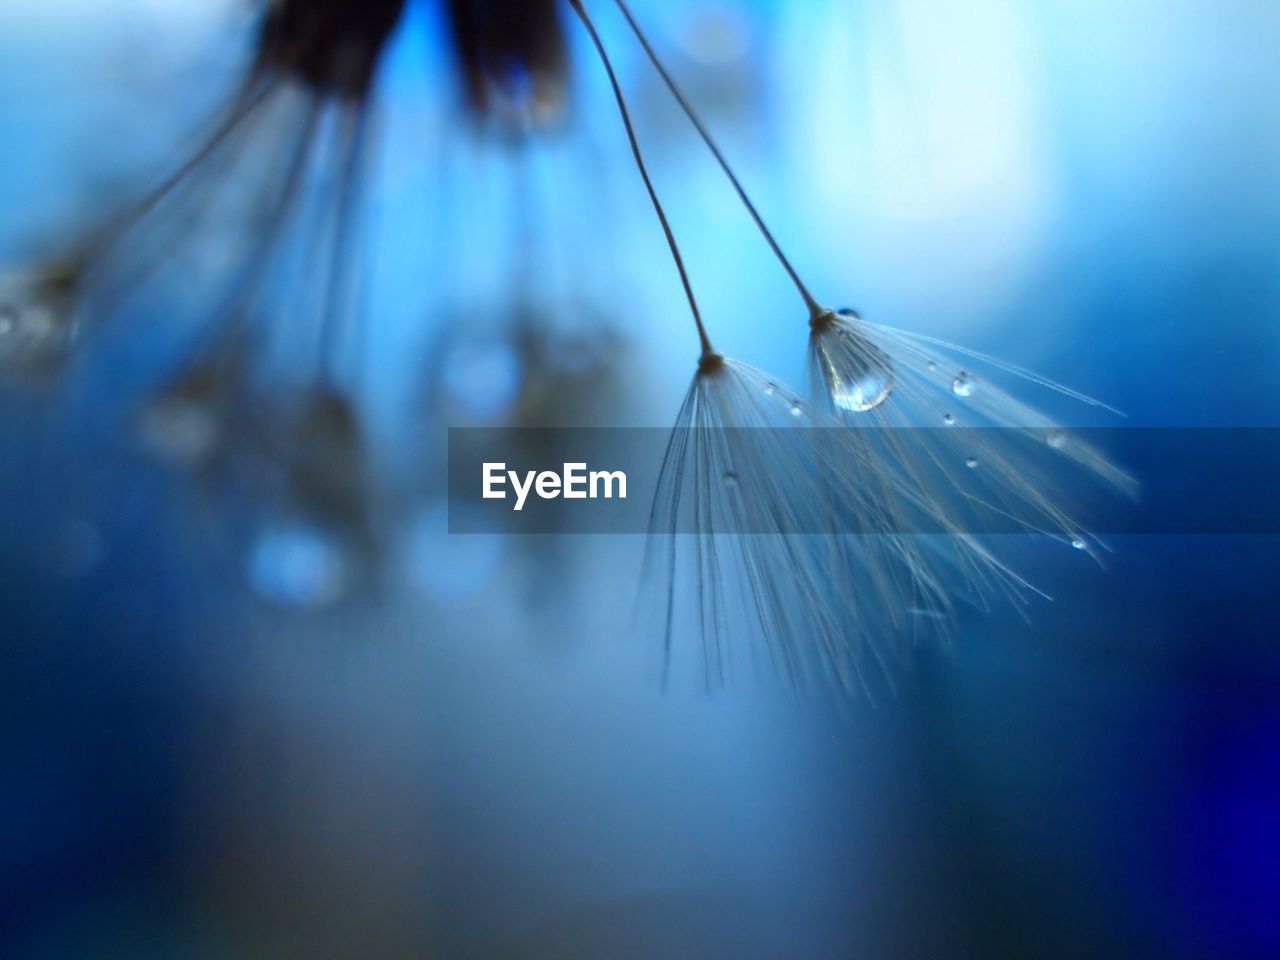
[707, 349]
[816, 310]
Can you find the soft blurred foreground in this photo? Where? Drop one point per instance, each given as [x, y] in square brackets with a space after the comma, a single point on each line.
[212, 746]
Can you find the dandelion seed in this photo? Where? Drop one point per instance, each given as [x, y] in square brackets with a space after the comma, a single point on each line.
[775, 560]
[746, 564]
[512, 54]
[1017, 482]
[870, 376]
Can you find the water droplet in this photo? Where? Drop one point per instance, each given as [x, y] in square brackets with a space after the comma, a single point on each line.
[1078, 543]
[300, 565]
[185, 424]
[448, 565]
[859, 376]
[797, 410]
[8, 319]
[933, 365]
[483, 377]
[972, 463]
[864, 393]
[949, 419]
[770, 389]
[1056, 439]
[963, 385]
[731, 480]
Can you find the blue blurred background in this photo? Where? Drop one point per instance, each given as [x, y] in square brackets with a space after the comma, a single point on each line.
[479, 761]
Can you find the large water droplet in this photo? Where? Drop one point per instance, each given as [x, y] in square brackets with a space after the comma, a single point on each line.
[859, 377]
[963, 385]
[865, 393]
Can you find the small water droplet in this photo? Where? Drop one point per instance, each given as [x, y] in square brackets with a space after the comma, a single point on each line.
[770, 389]
[933, 365]
[731, 480]
[1056, 439]
[483, 378]
[1078, 543]
[448, 565]
[962, 385]
[949, 419]
[797, 411]
[300, 565]
[182, 429]
[972, 463]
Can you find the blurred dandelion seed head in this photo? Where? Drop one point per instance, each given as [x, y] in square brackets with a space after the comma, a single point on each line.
[39, 323]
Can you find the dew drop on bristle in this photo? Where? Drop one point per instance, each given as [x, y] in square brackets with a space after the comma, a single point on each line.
[949, 419]
[963, 385]
[770, 389]
[1056, 439]
[858, 375]
[972, 463]
[797, 411]
[863, 393]
[1078, 544]
[731, 480]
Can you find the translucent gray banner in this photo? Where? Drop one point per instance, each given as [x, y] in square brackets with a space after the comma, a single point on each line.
[865, 481]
